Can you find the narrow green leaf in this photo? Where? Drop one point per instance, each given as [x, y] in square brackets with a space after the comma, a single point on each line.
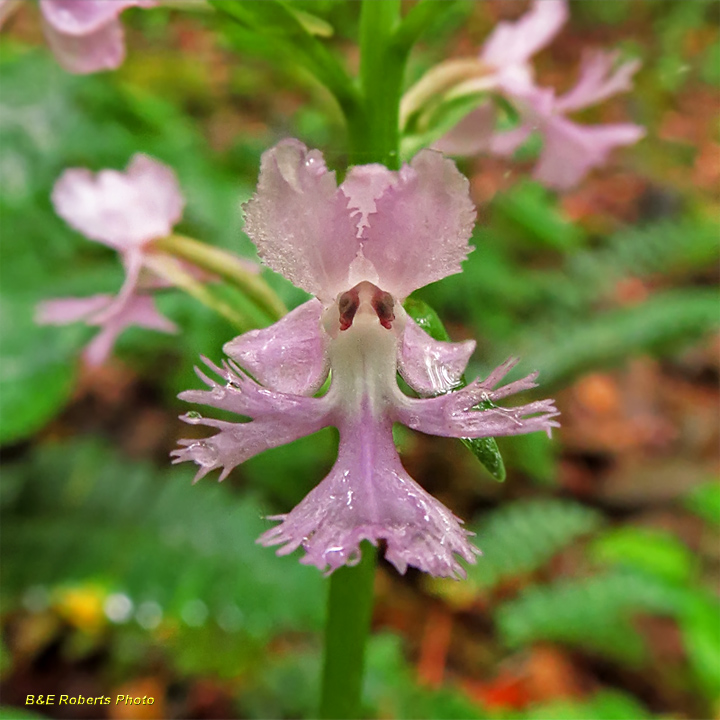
[273, 30]
[426, 318]
[484, 449]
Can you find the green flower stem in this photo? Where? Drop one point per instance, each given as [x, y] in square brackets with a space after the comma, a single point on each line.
[350, 604]
[374, 136]
[169, 269]
[382, 66]
[228, 267]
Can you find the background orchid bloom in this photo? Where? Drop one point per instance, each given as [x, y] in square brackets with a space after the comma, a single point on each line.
[360, 248]
[570, 150]
[126, 211]
[85, 35]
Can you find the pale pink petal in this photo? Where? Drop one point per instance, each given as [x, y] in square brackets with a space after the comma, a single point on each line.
[431, 367]
[120, 209]
[138, 310]
[598, 82]
[505, 143]
[452, 415]
[420, 230]
[83, 17]
[369, 496]
[570, 150]
[289, 356]
[277, 418]
[70, 310]
[363, 185]
[472, 134]
[300, 222]
[513, 43]
[103, 49]
[133, 261]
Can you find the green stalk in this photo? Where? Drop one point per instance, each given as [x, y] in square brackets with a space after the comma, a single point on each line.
[168, 268]
[373, 137]
[228, 267]
[350, 604]
[382, 66]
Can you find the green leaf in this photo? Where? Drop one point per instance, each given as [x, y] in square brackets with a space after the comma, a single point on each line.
[156, 538]
[312, 23]
[428, 125]
[701, 635]
[14, 713]
[36, 372]
[605, 705]
[594, 613]
[530, 209]
[518, 539]
[658, 325]
[275, 31]
[426, 318]
[704, 501]
[651, 550]
[485, 449]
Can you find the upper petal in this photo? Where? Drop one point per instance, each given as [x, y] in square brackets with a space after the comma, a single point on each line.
[300, 222]
[429, 366]
[516, 42]
[289, 356]
[363, 185]
[82, 17]
[598, 82]
[571, 150]
[103, 49]
[419, 232]
[120, 209]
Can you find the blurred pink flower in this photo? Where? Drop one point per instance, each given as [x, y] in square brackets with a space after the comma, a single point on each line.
[126, 211]
[570, 150]
[85, 35]
[360, 248]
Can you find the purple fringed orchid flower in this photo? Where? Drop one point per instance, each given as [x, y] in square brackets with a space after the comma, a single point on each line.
[126, 211]
[85, 35]
[570, 150]
[360, 249]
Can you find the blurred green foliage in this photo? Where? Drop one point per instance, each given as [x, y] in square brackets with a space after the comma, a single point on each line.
[179, 562]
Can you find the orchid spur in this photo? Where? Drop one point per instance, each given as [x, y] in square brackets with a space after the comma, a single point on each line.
[360, 249]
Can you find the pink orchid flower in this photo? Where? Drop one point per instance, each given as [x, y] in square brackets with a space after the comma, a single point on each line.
[85, 35]
[360, 248]
[126, 211]
[570, 150]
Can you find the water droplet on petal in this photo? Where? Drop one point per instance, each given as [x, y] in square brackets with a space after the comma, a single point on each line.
[193, 415]
[203, 454]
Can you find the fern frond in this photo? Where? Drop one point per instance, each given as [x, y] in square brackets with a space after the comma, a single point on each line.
[83, 515]
[593, 613]
[518, 539]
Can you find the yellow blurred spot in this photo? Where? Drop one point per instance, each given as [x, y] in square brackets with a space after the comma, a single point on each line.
[82, 606]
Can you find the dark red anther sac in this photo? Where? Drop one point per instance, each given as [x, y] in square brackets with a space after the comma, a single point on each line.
[382, 303]
[384, 306]
[348, 304]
